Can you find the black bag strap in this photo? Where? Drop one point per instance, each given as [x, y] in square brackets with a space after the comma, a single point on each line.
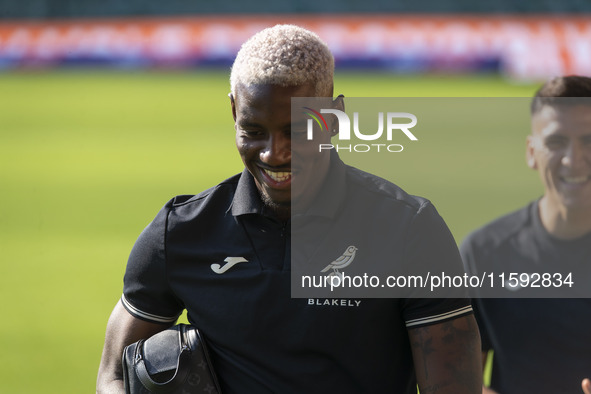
[193, 336]
[180, 375]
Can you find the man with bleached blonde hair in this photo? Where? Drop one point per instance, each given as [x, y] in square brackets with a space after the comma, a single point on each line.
[225, 256]
[286, 55]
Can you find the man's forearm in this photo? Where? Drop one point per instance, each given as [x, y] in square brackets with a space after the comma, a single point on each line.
[110, 387]
[447, 357]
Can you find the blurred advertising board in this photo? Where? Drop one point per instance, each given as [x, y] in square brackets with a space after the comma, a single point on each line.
[522, 47]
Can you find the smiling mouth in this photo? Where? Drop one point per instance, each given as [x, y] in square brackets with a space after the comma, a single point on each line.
[575, 180]
[278, 176]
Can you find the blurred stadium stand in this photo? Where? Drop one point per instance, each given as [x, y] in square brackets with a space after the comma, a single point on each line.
[522, 39]
[65, 9]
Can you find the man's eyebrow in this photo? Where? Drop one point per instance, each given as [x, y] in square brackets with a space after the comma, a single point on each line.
[555, 136]
[248, 123]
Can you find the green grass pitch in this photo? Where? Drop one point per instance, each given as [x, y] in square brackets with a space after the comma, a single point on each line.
[87, 158]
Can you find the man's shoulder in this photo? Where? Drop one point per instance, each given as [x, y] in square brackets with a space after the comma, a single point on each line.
[214, 194]
[382, 188]
[497, 231]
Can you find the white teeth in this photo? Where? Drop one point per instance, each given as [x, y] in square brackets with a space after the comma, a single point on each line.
[575, 179]
[279, 176]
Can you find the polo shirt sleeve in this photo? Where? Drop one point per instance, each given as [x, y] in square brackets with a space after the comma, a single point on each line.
[146, 291]
[430, 247]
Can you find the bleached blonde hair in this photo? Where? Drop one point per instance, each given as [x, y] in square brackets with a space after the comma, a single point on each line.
[284, 55]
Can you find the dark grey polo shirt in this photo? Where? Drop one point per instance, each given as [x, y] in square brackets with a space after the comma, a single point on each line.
[541, 345]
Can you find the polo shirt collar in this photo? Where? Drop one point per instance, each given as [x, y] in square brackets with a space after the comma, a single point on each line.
[246, 198]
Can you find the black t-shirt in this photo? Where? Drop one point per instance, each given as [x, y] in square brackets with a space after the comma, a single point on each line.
[541, 345]
[223, 258]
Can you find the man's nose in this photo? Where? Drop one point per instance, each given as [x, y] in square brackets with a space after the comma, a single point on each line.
[574, 155]
[277, 150]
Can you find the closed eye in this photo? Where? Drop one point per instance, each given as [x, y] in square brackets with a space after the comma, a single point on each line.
[299, 130]
[554, 143]
[253, 133]
[251, 130]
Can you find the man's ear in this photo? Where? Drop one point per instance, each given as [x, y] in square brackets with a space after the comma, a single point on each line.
[529, 153]
[233, 104]
[339, 104]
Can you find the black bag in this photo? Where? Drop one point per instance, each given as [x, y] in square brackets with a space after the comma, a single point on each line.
[172, 361]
